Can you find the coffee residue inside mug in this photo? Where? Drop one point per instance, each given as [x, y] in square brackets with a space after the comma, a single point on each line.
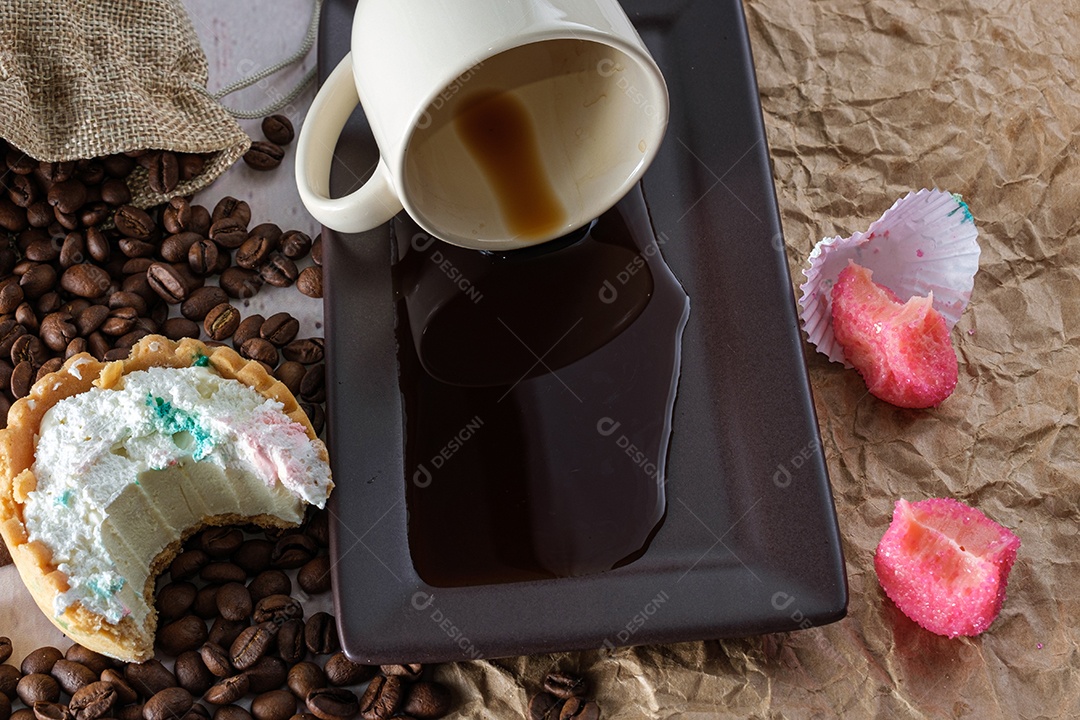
[496, 129]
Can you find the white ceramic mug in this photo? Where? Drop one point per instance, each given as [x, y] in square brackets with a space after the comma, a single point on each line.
[500, 123]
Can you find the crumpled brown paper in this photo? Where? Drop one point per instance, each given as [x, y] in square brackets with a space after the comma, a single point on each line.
[864, 102]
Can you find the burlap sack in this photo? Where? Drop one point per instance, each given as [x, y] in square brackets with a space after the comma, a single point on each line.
[88, 78]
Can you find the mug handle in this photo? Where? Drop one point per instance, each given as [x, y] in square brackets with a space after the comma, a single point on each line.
[368, 207]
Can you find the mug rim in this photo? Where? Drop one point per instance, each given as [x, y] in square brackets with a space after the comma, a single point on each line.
[535, 36]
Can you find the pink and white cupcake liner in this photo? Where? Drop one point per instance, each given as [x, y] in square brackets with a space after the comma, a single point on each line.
[926, 242]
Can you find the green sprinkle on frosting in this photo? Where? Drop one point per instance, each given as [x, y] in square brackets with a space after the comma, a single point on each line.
[174, 421]
[963, 206]
[201, 360]
[65, 499]
[105, 590]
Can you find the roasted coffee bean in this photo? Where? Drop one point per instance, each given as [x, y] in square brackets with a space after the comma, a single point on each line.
[205, 605]
[5, 648]
[292, 550]
[10, 331]
[163, 173]
[249, 327]
[252, 644]
[278, 129]
[188, 564]
[42, 711]
[216, 659]
[229, 232]
[72, 675]
[197, 712]
[200, 220]
[67, 196]
[341, 704]
[192, 674]
[51, 302]
[268, 673]
[290, 640]
[94, 213]
[253, 253]
[202, 301]
[175, 247]
[564, 685]
[280, 328]
[254, 555]
[187, 633]
[320, 634]
[56, 171]
[269, 582]
[410, 671]
[133, 222]
[133, 248]
[40, 661]
[97, 245]
[73, 250]
[221, 542]
[279, 271]
[85, 280]
[231, 712]
[223, 631]
[123, 299]
[340, 670]
[382, 697]
[426, 701]
[318, 528]
[306, 677]
[168, 704]
[230, 207]
[295, 244]
[120, 322]
[38, 687]
[233, 601]
[261, 350]
[228, 690]
[222, 572]
[202, 256]
[309, 281]
[577, 708]
[177, 328]
[544, 706]
[25, 316]
[191, 166]
[42, 249]
[314, 575]
[11, 296]
[6, 369]
[167, 282]
[9, 680]
[115, 191]
[273, 705]
[97, 345]
[128, 340]
[40, 215]
[89, 319]
[125, 694]
[239, 283]
[23, 191]
[307, 351]
[40, 279]
[139, 285]
[130, 712]
[221, 322]
[271, 232]
[49, 366]
[316, 416]
[290, 373]
[175, 600]
[176, 217]
[94, 700]
[277, 609]
[263, 155]
[12, 217]
[313, 386]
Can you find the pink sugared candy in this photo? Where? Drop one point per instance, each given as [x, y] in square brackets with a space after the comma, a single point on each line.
[902, 349]
[945, 565]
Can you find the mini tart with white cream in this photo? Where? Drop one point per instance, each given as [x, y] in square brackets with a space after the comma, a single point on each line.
[105, 468]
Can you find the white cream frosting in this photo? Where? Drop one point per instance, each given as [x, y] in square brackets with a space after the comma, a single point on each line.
[122, 472]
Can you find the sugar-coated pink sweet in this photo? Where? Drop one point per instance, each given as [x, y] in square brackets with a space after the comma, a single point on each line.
[902, 349]
[945, 565]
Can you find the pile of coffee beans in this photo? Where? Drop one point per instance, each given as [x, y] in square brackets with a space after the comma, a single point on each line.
[236, 629]
[81, 270]
[563, 698]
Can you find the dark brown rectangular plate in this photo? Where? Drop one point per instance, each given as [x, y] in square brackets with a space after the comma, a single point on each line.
[750, 542]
